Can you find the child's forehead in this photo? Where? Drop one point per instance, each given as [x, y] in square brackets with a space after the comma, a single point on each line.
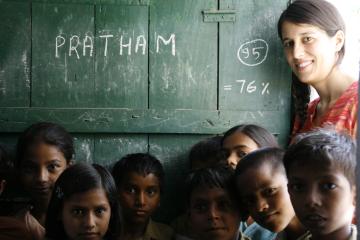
[208, 192]
[140, 177]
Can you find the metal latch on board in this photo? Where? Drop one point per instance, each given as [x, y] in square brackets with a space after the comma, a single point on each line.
[226, 15]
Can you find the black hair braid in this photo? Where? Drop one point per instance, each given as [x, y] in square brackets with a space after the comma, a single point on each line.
[301, 96]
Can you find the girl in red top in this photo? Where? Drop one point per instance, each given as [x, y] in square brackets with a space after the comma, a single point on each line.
[313, 36]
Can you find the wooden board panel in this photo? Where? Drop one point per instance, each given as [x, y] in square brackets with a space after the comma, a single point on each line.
[172, 151]
[63, 63]
[84, 147]
[183, 55]
[121, 67]
[15, 47]
[252, 69]
[112, 147]
[143, 121]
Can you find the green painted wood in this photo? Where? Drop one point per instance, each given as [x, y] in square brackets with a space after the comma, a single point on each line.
[114, 2]
[253, 73]
[121, 67]
[62, 68]
[84, 148]
[183, 72]
[15, 46]
[111, 148]
[142, 121]
[172, 151]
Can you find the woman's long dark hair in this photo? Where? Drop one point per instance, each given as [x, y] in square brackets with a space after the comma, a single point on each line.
[323, 15]
[81, 178]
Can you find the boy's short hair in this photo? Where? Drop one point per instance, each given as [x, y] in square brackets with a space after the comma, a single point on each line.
[140, 163]
[272, 156]
[206, 153]
[220, 176]
[326, 147]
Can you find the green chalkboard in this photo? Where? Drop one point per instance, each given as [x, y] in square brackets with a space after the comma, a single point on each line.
[126, 76]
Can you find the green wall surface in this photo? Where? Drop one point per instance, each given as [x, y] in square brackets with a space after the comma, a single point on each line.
[156, 76]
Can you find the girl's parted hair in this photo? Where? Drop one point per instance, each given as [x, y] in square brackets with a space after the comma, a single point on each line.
[80, 178]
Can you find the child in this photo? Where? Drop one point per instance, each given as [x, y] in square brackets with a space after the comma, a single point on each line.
[243, 139]
[139, 179]
[203, 154]
[11, 228]
[261, 184]
[44, 151]
[213, 213]
[84, 205]
[321, 170]
[206, 153]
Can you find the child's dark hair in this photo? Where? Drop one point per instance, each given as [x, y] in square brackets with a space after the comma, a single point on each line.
[140, 163]
[325, 147]
[257, 158]
[80, 178]
[6, 164]
[206, 153]
[220, 176]
[48, 133]
[319, 13]
[261, 136]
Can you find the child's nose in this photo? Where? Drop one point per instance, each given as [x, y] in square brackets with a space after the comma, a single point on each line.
[42, 175]
[313, 199]
[233, 160]
[140, 200]
[261, 205]
[213, 213]
[89, 221]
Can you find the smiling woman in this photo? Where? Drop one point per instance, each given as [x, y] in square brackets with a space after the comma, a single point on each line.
[313, 36]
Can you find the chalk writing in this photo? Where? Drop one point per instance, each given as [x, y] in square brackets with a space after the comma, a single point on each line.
[253, 53]
[75, 45]
[249, 87]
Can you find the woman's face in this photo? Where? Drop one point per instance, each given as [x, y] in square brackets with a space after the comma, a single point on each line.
[39, 170]
[310, 52]
[238, 145]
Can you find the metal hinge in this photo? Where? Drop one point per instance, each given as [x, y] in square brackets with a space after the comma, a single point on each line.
[219, 15]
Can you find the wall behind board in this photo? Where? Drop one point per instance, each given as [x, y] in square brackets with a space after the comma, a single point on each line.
[142, 76]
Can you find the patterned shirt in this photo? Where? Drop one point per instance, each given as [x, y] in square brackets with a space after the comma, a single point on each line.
[342, 115]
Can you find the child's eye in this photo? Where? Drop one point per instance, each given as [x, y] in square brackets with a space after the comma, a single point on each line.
[329, 186]
[296, 187]
[52, 167]
[77, 212]
[130, 190]
[100, 210]
[241, 154]
[308, 39]
[224, 205]
[200, 207]
[151, 192]
[270, 191]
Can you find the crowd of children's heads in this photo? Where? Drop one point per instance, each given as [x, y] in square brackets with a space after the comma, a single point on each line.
[307, 190]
